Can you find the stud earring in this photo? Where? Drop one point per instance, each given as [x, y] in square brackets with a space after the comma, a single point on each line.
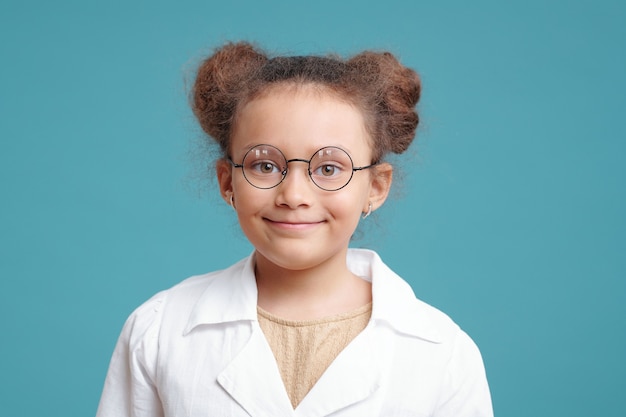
[369, 211]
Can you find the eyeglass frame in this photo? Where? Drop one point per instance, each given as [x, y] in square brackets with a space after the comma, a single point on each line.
[285, 170]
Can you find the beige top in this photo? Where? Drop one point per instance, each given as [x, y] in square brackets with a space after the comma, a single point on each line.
[304, 349]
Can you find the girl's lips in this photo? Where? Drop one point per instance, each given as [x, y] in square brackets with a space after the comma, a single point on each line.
[293, 225]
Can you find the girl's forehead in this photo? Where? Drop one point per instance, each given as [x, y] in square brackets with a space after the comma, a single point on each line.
[300, 120]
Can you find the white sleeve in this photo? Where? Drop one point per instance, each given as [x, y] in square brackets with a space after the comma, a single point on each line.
[129, 388]
[466, 391]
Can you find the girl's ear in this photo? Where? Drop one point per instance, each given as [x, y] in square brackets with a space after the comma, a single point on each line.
[382, 177]
[224, 172]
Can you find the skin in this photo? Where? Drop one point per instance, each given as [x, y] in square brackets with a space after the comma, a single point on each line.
[300, 232]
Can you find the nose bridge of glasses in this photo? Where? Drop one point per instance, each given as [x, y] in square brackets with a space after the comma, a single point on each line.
[288, 161]
[306, 161]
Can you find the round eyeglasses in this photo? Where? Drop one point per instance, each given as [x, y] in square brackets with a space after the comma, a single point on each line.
[330, 168]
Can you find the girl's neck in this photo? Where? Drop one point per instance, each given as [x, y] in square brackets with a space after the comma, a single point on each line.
[324, 290]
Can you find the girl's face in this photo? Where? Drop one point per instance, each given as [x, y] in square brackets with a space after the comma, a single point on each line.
[296, 225]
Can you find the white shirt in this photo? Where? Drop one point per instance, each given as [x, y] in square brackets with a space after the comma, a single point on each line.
[197, 350]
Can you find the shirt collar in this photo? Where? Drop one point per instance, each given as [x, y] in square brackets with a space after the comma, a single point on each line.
[231, 295]
[394, 302]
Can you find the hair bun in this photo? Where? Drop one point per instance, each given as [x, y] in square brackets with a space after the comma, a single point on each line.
[219, 85]
[395, 90]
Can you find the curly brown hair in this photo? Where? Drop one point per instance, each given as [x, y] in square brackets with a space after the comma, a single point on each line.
[375, 82]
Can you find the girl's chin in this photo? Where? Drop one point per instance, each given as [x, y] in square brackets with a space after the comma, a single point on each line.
[296, 258]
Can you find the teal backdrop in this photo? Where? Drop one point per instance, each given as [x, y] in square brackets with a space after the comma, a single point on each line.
[510, 213]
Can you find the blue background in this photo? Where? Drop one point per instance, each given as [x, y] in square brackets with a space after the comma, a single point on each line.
[510, 214]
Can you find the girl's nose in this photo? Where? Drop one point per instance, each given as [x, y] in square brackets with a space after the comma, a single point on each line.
[297, 188]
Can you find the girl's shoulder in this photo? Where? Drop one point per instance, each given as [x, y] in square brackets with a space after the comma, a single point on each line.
[199, 297]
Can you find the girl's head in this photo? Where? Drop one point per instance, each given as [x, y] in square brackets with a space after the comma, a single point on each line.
[385, 91]
[303, 140]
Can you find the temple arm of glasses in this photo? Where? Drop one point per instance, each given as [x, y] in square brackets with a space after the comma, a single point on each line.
[234, 164]
[365, 167]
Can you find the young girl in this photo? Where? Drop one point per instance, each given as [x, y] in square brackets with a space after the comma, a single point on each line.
[304, 326]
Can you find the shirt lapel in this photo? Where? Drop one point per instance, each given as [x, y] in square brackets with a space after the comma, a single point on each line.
[352, 377]
[253, 380]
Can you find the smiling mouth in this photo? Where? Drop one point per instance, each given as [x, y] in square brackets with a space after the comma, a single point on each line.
[293, 225]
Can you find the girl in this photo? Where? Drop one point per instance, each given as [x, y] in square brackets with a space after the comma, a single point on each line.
[304, 326]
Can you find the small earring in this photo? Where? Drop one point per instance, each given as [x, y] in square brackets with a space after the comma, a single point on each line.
[369, 211]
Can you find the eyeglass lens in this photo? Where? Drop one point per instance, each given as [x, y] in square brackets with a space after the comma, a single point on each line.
[265, 166]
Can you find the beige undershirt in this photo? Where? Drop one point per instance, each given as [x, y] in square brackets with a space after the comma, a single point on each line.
[304, 349]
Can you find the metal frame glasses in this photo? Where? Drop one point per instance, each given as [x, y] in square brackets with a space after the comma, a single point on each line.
[330, 168]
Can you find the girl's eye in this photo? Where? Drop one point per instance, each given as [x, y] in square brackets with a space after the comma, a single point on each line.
[327, 170]
[264, 167]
